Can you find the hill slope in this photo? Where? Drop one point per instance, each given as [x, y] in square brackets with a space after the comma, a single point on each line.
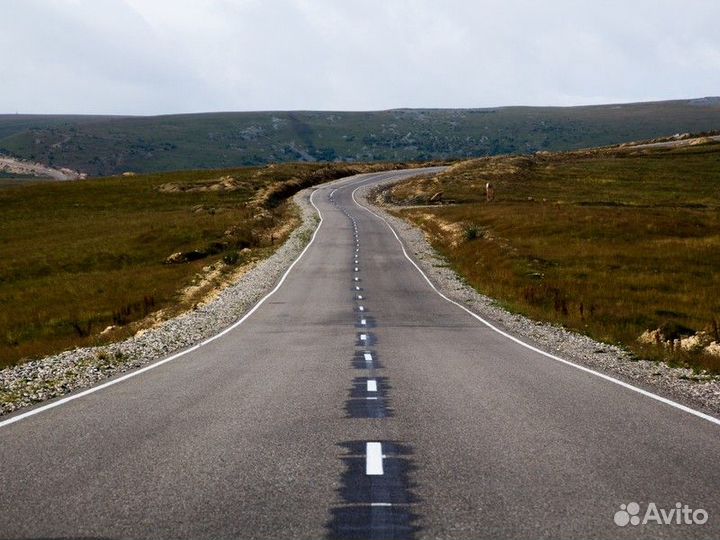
[110, 145]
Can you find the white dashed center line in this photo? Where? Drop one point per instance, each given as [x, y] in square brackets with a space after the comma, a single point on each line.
[368, 357]
[373, 459]
[363, 322]
[363, 337]
[361, 308]
[372, 385]
[359, 297]
[380, 504]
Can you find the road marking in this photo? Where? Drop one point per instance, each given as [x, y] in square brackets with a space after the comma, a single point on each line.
[368, 357]
[608, 378]
[373, 459]
[180, 354]
[372, 385]
[361, 308]
[380, 504]
[359, 297]
[363, 322]
[371, 398]
[363, 337]
[333, 191]
[357, 269]
[357, 288]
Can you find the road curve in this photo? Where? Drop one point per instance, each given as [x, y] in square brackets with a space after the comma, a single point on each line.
[356, 402]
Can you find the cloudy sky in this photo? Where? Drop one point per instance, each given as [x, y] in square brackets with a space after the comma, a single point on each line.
[167, 56]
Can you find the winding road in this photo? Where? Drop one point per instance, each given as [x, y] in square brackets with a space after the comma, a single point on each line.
[357, 402]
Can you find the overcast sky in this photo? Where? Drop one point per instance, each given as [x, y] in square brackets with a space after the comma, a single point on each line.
[168, 56]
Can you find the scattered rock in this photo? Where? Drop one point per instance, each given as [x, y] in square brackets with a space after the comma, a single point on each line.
[175, 258]
[186, 256]
[696, 342]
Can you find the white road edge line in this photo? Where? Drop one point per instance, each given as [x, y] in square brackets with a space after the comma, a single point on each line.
[195, 347]
[645, 393]
[373, 459]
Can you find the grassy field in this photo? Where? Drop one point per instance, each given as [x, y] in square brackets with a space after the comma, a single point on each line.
[611, 243]
[112, 145]
[80, 256]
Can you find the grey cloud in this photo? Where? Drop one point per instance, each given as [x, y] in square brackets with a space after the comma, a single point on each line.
[161, 56]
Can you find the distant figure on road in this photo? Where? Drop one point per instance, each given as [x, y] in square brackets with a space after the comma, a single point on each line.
[489, 192]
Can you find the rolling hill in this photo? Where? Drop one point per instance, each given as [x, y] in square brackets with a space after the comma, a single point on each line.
[106, 145]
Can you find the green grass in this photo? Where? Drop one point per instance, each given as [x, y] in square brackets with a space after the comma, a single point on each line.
[80, 256]
[610, 243]
[111, 145]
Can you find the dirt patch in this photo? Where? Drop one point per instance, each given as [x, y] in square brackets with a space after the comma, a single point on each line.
[224, 183]
[28, 168]
[453, 232]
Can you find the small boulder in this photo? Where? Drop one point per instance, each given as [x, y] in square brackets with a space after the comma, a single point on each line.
[186, 256]
[713, 349]
[175, 258]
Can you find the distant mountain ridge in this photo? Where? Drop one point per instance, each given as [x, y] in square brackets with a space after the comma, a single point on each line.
[107, 145]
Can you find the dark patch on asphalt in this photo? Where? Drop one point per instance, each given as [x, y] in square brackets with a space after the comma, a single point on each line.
[359, 362]
[359, 406]
[356, 517]
[370, 341]
[369, 322]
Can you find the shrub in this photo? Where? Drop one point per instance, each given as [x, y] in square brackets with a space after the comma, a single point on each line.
[231, 258]
[472, 233]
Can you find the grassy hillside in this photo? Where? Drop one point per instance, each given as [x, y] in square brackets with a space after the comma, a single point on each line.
[111, 145]
[80, 256]
[612, 242]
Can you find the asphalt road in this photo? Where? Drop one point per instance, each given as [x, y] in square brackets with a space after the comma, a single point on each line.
[394, 415]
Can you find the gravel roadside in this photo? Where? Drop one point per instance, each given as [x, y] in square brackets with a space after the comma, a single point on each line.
[698, 391]
[56, 375]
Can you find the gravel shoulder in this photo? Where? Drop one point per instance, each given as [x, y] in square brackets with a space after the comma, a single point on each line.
[57, 375]
[698, 391]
